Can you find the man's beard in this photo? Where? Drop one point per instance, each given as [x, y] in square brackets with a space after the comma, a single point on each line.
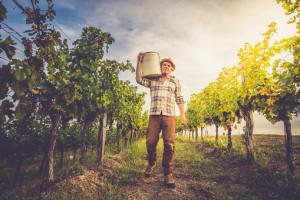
[165, 72]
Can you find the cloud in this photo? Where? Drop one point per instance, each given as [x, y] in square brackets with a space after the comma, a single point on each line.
[200, 36]
[71, 5]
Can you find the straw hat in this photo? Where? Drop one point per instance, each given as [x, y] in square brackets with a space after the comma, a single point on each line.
[167, 60]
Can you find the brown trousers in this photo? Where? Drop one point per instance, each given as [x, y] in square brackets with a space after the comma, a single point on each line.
[166, 124]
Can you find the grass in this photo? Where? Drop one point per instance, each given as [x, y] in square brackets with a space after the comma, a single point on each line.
[268, 176]
[191, 161]
[30, 178]
[214, 171]
[131, 165]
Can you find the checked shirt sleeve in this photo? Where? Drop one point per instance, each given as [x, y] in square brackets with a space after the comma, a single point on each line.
[143, 81]
[178, 95]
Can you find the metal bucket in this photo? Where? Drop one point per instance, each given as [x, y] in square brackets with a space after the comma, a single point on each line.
[150, 65]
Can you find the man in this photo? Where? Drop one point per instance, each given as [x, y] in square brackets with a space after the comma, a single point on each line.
[164, 92]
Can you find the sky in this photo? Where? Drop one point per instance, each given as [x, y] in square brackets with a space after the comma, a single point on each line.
[200, 36]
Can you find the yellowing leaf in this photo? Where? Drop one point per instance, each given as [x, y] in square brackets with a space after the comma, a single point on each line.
[34, 91]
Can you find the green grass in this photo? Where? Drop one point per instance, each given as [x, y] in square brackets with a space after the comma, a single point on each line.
[212, 173]
[133, 163]
[190, 159]
[266, 155]
[268, 177]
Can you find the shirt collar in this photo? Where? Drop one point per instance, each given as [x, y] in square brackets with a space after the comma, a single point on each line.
[168, 78]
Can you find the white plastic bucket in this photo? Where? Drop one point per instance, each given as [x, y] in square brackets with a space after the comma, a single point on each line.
[151, 65]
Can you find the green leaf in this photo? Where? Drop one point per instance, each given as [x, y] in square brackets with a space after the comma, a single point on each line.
[20, 112]
[3, 12]
[85, 77]
[7, 46]
[19, 88]
[20, 75]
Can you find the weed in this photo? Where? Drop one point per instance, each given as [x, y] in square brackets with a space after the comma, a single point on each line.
[111, 192]
[267, 183]
[221, 178]
[204, 189]
[91, 157]
[192, 161]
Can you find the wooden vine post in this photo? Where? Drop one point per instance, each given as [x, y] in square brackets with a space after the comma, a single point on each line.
[101, 138]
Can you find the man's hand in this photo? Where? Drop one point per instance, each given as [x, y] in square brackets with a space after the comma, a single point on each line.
[182, 114]
[183, 120]
[141, 56]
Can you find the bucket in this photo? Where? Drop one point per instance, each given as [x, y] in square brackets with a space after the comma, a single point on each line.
[151, 65]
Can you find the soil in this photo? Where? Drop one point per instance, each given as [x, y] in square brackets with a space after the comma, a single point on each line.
[235, 176]
[154, 188]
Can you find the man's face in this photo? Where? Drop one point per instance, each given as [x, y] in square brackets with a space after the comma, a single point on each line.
[166, 68]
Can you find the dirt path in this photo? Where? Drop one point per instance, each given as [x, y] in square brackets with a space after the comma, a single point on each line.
[187, 186]
[154, 188]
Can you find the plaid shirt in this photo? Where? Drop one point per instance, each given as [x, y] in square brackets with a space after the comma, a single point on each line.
[163, 96]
